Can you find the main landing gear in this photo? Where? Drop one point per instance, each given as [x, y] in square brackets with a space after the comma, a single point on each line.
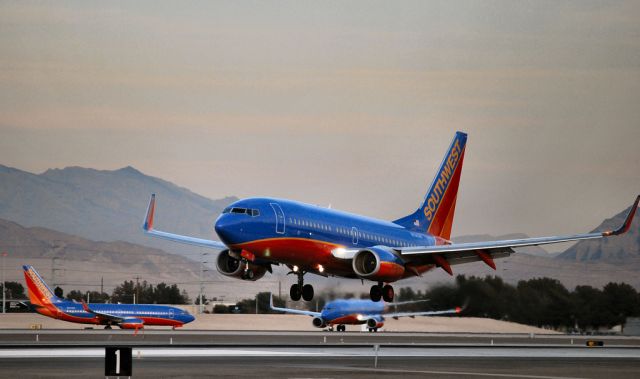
[300, 289]
[108, 326]
[378, 291]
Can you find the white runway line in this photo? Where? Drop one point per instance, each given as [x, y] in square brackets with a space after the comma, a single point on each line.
[331, 352]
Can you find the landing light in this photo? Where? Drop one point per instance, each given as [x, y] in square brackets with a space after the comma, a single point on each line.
[295, 269]
[320, 268]
[339, 251]
[360, 317]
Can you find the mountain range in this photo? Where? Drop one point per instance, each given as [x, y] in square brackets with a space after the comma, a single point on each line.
[73, 262]
[104, 205]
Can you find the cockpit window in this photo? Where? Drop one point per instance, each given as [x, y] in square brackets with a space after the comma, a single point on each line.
[237, 210]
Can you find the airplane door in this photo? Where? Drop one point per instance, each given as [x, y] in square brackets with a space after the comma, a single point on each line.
[279, 217]
[171, 313]
[354, 235]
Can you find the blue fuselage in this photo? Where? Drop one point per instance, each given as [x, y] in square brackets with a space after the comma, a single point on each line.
[150, 314]
[305, 235]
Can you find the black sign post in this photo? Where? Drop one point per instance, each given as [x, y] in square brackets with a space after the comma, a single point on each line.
[117, 361]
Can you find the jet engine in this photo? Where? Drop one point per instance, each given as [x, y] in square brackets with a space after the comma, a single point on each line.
[319, 322]
[132, 323]
[378, 263]
[230, 266]
[373, 323]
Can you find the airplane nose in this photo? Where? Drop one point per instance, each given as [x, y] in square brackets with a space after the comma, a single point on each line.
[188, 318]
[223, 228]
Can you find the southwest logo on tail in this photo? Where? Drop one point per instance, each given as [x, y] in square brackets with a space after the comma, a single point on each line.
[39, 291]
[435, 214]
[258, 233]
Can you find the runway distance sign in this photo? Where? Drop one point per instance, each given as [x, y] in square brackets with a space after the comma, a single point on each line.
[117, 361]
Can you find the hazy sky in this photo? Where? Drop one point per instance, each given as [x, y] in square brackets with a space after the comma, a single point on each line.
[344, 103]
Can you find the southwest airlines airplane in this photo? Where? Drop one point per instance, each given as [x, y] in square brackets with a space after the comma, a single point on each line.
[358, 312]
[257, 233]
[125, 316]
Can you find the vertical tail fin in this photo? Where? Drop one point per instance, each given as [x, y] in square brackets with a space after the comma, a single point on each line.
[39, 292]
[435, 214]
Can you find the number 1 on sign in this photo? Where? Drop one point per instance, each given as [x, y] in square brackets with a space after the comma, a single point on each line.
[117, 361]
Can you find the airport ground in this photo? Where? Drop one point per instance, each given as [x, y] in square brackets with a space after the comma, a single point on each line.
[295, 323]
[445, 351]
[332, 367]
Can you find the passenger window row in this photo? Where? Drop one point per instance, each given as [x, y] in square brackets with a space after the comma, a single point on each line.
[349, 232]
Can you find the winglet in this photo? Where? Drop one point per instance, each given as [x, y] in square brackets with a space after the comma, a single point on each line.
[148, 220]
[270, 300]
[627, 222]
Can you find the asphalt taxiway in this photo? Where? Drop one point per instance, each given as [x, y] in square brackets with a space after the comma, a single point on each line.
[316, 354]
[331, 366]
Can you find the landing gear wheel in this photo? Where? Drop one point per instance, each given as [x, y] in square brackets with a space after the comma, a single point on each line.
[375, 293]
[108, 327]
[373, 330]
[307, 292]
[388, 293]
[295, 292]
[342, 328]
[248, 274]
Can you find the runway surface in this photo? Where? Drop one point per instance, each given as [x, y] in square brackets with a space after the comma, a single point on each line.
[166, 337]
[331, 367]
[156, 353]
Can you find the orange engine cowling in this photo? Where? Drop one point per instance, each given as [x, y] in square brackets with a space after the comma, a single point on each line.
[235, 268]
[134, 323]
[378, 263]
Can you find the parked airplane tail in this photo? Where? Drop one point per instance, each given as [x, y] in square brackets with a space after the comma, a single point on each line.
[435, 214]
[39, 292]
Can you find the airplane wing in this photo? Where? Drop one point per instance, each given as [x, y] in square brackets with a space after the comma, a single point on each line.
[407, 302]
[294, 311]
[446, 255]
[397, 315]
[148, 229]
[103, 316]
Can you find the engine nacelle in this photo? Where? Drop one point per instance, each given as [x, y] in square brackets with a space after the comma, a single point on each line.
[132, 323]
[378, 263]
[235, 268]
[319, 322]
[373, 323]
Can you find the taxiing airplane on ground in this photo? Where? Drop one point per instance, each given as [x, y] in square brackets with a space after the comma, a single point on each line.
[357, 312]
[125, 316]
[257, 233]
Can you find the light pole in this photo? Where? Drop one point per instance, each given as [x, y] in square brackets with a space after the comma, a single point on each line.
[4, 287]
[202, 270]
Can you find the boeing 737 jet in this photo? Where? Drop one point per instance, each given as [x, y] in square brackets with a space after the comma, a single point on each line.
[125, 316]
[358, 312]
[257, 233]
